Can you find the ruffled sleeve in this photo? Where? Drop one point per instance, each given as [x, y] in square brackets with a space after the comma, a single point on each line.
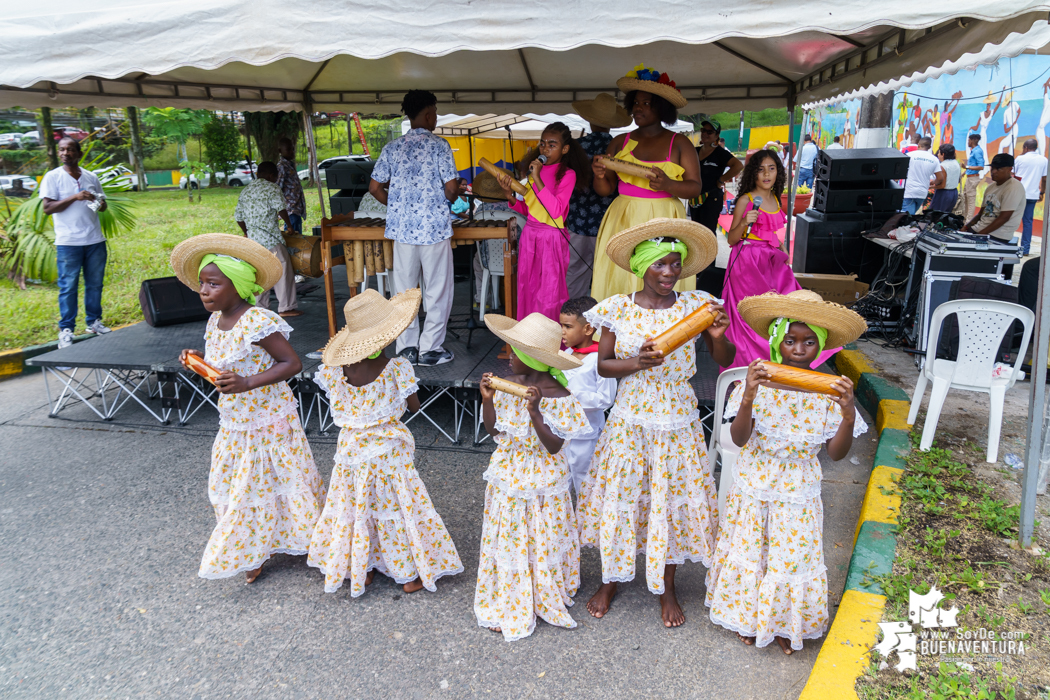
[835, 420]
[607, 313]
[326, 378]
[405, 377]
[565, 417]
[258, 324]
[733, 402]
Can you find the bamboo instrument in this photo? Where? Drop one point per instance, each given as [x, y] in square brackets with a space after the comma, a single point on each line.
[509, 387]
[496, 172]
[388, 255]
[198, 365]
[377, 254]
[804, 379]
[359, 262]
[622, 166]
[685, 330]
[370, 260]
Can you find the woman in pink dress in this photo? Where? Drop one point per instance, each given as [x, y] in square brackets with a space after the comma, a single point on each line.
[543, 249]
[758, 262]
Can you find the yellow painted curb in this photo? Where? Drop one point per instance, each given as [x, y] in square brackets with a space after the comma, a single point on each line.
[879, 507]
[846, 650]
[892, 414]
[11, 363]
[853, 363]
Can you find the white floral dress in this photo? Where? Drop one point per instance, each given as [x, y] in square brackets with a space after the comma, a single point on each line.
[530, 547]
[263, 485]
[378, 514]
[768, 578]
[649, 488]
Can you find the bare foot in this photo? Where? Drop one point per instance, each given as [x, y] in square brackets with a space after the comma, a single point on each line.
[250, 576]
[413, 586]
[746, 640]
[670, 610]
[599, 603]
[369, 576]
[498, 630]
[785, 645]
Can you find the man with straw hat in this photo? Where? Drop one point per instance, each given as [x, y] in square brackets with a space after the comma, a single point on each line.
[768, 579]
[587, 207]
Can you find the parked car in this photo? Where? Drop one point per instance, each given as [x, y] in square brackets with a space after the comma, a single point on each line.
[30, 138]
[16, 182]
[11, 140]
[304, 175]
[241, 176]
[72, 132]
[120, 174]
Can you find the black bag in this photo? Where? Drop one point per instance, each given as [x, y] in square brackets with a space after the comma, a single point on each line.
[978, 288]
[166, 301]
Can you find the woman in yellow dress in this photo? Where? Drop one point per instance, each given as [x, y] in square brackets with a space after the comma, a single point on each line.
[653, 100]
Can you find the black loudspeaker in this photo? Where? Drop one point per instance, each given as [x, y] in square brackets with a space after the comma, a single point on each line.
[852, 164]
[351, 179]
[864, 196]
[167, 301]
[835, 247]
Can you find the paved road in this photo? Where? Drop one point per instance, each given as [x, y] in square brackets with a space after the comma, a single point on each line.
[102, 526]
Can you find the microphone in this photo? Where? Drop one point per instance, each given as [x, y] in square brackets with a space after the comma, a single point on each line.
[542, 159]
[757, 203]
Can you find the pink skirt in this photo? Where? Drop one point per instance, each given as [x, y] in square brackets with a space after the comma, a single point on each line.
[543, 259]
[756, 267]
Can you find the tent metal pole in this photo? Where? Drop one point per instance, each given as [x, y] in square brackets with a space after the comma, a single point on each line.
[1036, 400]
[315, 173]
[790, 172]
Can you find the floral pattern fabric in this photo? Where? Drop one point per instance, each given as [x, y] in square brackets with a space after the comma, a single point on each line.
[288, 181]
[530, 551]
[263, 484]
[417, 166]
[378, 514]
[587, 207]
[769, 578]
[257, 207]
[649, 489]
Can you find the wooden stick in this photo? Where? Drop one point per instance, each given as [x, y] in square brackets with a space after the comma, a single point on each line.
[622, 166]
[388, 255]
[496, 172]
[685, 330]
[198, 365]
[359, 262]
[509, 387]
[804, 379]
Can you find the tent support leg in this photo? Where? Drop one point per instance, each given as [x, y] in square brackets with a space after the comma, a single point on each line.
[1036, 402]
[790, 172]
[315, 173]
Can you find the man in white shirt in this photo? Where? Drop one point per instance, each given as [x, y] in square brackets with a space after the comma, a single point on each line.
[807, 155]
[1031, 168]
[835, 145]
[66, 192]
[921, 169]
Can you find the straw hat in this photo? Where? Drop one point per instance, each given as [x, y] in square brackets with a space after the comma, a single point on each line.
[535, 335]
[843, 325]
[702, 244]
[372, 323]
[603, 111]
[988, 100]
[186, 258]
[486, 188]
[654, 82]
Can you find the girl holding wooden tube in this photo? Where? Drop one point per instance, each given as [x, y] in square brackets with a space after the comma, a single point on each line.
[768, 580]
[649, 489]
[530, 546]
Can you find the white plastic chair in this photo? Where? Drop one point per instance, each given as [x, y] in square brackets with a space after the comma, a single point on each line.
[722, 445]
[491, 254]
[982, 325]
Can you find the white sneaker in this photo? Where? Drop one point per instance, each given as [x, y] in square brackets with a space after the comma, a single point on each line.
[97, 328]
[65, 338]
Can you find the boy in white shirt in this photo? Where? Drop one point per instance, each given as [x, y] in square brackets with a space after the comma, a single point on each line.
[594, 392]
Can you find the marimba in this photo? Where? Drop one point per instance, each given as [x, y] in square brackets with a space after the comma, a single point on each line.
[366, 252]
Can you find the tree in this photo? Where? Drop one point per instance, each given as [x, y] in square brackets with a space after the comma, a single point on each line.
[267, 128]
[176, 125]
[136, 146]
[222, 145]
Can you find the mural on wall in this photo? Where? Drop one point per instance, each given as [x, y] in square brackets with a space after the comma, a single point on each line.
[825, 123]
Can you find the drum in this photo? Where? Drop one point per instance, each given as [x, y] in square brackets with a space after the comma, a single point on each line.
[305, 252]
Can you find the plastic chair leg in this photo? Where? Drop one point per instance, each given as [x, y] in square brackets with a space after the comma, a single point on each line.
[380, 284]
[997, 396]
[933, 413]
[494, 280]
[484, 293]
[916, 399]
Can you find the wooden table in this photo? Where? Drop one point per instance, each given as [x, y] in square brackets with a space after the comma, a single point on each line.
[343, 229]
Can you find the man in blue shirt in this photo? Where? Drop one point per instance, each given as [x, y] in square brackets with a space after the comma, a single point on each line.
[806, 157]
[416, 178]
[974, 169]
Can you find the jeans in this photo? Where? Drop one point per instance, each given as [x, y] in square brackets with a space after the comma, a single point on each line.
[1026, 224]
[805, 177]
[911, 205]
[297, 223]
[71, 258]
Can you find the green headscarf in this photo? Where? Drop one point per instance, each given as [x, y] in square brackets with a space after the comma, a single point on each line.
[779, 328]
[376, 354]
[535, 364]
[648, 252]
[240, 273]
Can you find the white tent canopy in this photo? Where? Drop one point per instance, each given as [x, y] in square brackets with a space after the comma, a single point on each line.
[523, 57]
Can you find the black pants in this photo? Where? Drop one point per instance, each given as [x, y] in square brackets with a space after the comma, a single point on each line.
[1028, 285]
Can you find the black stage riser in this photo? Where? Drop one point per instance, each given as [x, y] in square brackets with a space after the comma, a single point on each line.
[835, 247]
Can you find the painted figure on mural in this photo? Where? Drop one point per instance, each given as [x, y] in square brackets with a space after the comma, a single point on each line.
[981, 127]
[947, 130]
[1044, 119]
[1011, 116]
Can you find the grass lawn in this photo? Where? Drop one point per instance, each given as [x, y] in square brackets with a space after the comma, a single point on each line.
[30, 317]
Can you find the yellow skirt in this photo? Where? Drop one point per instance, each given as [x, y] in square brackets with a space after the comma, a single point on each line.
[623, 213]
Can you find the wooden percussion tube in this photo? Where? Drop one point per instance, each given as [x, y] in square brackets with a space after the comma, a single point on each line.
[685, 330]
[388, 254]
[370, 260]
[198, 365]
[804, 379]
[496, 172]
[377, 256]
[359, 262]
[619, 166]
[509, 387]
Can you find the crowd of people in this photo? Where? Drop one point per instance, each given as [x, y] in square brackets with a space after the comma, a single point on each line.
[642, 477]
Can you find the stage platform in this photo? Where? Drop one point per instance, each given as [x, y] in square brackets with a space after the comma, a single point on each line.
[140, 364]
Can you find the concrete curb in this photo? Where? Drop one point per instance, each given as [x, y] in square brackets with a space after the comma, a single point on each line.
[13, 362]
[855, 630]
